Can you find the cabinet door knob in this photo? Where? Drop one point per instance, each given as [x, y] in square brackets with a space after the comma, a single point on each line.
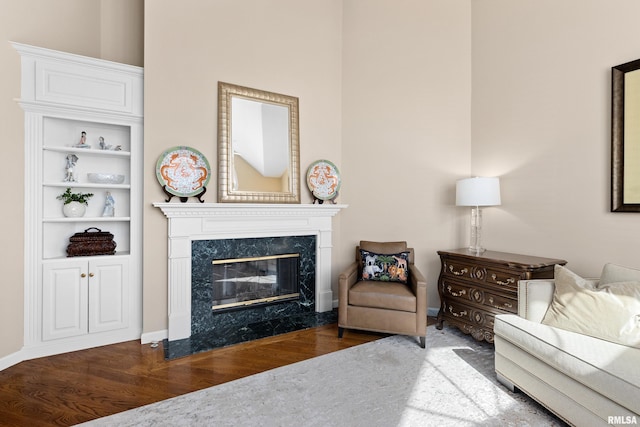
[83, 275]
[91, 275]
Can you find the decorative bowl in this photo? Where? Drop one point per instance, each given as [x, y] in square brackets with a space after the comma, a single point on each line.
[105, 178]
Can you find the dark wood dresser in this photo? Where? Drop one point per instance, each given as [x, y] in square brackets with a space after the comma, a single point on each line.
[474, 288]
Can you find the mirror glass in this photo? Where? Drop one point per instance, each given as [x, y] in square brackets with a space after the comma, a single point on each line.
[258, 148]
[625, 138]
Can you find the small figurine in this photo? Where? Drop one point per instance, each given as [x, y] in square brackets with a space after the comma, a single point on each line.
[72, 159]
[104, 146]
[83, 141]
[109, 205]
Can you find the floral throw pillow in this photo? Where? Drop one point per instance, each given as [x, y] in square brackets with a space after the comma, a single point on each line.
[385, 267]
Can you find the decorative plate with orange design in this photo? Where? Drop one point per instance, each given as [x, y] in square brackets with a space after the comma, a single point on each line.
[183, 171]
[323, 179]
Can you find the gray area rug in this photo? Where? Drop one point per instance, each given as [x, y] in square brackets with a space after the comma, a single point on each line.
[389, 382]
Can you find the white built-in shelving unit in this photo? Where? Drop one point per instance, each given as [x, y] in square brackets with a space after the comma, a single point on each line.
[83, 301]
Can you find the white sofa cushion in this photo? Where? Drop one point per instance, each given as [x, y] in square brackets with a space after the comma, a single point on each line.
[610, 311]
[609, 368]
[612, 273]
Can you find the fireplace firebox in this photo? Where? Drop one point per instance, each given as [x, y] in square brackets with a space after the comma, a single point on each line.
[240, 282]
[206, 292]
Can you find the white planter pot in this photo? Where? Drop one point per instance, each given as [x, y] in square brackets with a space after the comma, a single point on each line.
[74, 209]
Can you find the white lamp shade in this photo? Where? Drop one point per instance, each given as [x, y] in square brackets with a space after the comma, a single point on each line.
[478, 191]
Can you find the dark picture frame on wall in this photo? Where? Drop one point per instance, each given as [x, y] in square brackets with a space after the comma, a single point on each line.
[625, 137]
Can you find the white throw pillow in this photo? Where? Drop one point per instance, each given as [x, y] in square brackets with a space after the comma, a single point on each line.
[610, 312]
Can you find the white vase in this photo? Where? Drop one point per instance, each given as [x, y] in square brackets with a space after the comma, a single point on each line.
[74, 209]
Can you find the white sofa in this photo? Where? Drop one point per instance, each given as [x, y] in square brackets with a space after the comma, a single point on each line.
[585, 381]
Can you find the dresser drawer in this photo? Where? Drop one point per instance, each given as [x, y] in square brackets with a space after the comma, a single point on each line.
[457, 310]
[465, 313]
[455, 290]
[492, 300]
[457, 269]
[482, 274]
[467, 292]
[503, 278]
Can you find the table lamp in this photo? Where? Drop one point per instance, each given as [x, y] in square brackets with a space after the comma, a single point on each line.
[477, 192]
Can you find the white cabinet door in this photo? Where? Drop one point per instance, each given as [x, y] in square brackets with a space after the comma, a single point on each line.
[64, 299]
[108, 294]
[80, 297]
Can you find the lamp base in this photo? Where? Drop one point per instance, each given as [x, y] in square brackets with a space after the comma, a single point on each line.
[476, 231]
[476, 250]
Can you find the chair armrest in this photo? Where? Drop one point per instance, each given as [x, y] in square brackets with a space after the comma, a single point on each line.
[535, 296]
[419, 287]
[346, 280]
[416, 278]
[349, 276]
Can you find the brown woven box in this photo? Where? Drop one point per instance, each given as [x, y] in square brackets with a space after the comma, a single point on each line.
[89, 243]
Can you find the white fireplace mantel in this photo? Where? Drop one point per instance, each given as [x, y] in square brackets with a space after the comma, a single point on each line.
[212, 221]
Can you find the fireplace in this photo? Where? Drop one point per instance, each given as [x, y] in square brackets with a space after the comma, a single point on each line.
[190, 223]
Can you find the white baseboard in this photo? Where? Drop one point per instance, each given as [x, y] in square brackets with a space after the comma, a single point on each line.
[10, 360]
[54, 347]
[155, 336]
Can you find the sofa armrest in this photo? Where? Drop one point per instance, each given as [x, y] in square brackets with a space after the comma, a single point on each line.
[535, 296]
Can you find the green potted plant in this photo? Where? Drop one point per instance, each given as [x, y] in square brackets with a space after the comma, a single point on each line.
[74, 204]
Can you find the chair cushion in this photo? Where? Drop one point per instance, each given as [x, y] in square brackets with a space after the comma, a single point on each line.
[385, 267]
[387, 295]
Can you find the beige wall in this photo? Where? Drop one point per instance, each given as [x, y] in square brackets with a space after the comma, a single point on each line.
[406, 126]
[76, 26]
[541, 119]
[122, 31]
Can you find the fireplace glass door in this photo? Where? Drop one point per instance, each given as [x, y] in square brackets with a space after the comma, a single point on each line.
[258, 280]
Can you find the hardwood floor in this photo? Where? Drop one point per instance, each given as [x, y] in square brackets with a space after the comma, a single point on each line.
[76, 387]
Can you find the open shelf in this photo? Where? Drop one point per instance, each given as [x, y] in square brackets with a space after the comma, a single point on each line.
[89, 219]
[87, 185]
[90, 151]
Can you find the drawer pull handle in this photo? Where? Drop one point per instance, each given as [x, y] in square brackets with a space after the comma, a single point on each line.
[458, 273]
[83, 275]
[461, 314]
[504, 304]
[456, 294]
[509, 281]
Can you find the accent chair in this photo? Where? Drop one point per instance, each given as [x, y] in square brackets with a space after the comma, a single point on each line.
[383, 291]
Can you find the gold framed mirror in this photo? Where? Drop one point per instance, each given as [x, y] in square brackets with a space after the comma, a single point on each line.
[258, 146]
[625, 137]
